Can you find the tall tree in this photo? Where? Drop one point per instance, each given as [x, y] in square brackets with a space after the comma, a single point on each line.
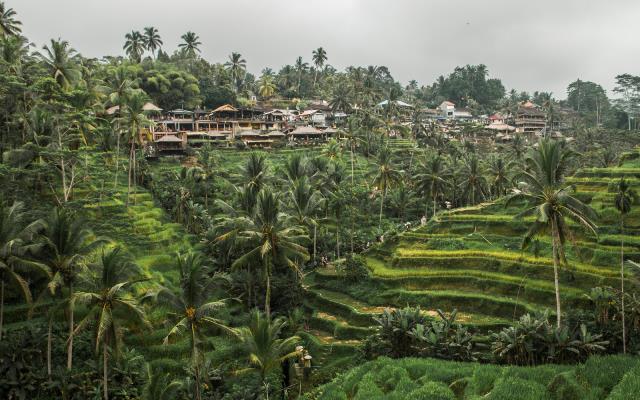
[305, 204]
[272, 241]
[624, 199]
[267, 87]
[59, 58]
[191, 44]
[265, 348]
[385, 177]
[194, 309]
[319, 58]
[431, 180]
[134, 45]
[63, 244]
[551, 202]
[134, 119]
[120, 87]
[473, 181]
[111, 305]
[237, 67]
[152, 40]
[15, 268]
[300, 67]
[9, 25]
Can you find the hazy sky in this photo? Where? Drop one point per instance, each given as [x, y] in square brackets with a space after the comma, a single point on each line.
[530, 45]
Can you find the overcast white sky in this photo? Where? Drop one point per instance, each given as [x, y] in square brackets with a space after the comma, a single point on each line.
[531, 45]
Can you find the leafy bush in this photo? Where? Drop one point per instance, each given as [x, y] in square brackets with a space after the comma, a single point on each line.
[432, 391]
[355, 269]
[509, 388]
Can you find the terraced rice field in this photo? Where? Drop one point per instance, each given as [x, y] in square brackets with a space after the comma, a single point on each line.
[471, 259]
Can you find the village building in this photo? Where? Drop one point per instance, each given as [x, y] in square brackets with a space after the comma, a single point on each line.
[529, 119]
[446, 110]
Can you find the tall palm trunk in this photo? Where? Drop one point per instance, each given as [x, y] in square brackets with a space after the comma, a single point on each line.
[115, 181]
[49, 346]
[104, 372]
[267, 299]
[384, 192]
[196, 362]
[130, 171]
[556, 281]
[1, 306]
[70, 345]
[315, 240]
[352, 186]
[624, 327]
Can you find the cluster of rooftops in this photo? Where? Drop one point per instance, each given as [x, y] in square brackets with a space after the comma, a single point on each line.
[175, 130]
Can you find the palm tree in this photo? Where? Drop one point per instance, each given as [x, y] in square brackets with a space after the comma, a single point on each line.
[160, 386]
[255, 172]
[14, 235]
[300, 67]
[134, 45]
[134, 119]
[193, 308]
[340, 101]
[9, 26]
[236, 67]
[551, 202]
[624, 199]
[62, 245]
[272, 241]
[265, 349]
[58, 57]
[473, 182]
[432, 179]
[191, 44]
[266, 86]
[385, 177]
[499, 175]
[110, 305]
[319, 58]
[152, 40]
[120, 87]
[305, 204]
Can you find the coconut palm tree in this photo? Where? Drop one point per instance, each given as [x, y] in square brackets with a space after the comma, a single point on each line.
[385, 177]
[624, 198]
[266, 86]
[63, 244]
[341, 99]
[152, 40]
[120, 87]
[255, 172]
[58, 58]
[305, 204]
[498, 175]
[237, 67]
[193, 308]
[265, 349]
[191, 44]
[272, 241]
[134, 45]
[134, 119]
[300, 68]
[431, 179]
[551, 202]
[319, 58]
[111, 306]
[15, 268]
[9, 26]
[473, 181]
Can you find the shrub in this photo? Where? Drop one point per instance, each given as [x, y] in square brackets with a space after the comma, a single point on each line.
[483, 379]
[367, 389]
[355, 269]
[432, 391]
[509, 388]
[333, 392]
[629, 386]
[565, 387]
